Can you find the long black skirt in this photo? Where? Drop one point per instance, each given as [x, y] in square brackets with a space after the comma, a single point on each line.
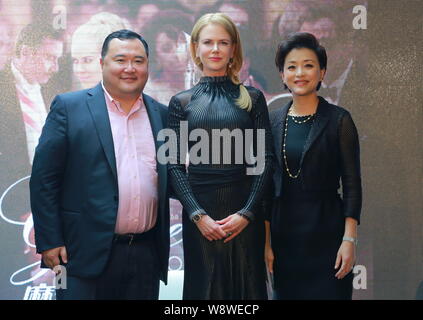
[224, 271]
[306, 236]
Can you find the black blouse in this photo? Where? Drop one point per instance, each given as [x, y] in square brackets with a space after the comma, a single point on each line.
[295, 140]
[211, 105]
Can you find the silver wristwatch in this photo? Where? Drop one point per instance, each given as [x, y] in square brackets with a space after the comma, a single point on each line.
[197, 217]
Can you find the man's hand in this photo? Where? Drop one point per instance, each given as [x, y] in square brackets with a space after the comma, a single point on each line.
[51, 256]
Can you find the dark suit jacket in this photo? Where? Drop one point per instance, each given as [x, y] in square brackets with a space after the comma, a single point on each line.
[74, 189]
[331, 154]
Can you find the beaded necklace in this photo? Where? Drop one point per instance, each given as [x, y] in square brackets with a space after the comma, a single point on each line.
[293, 176]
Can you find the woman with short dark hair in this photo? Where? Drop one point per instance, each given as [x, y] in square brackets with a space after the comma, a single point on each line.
[311, 233]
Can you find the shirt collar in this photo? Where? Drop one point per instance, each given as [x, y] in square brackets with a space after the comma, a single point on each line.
[115, 102]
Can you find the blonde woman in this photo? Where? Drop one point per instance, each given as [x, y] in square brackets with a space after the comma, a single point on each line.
[222, 224]
[86, 46]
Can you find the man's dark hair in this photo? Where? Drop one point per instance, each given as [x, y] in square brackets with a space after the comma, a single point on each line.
[33, 35]
[123, 34]
[299, 40]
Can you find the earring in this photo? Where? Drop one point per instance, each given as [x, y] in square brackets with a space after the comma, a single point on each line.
[230, 62]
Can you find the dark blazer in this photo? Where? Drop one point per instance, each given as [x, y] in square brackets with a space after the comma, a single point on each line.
[74, 189]
[331, 154]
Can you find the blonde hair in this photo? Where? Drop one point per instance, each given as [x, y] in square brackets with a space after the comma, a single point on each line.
[244, 99]
[99, 27]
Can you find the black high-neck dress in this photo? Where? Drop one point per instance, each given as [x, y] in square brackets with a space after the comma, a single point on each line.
[213, 269]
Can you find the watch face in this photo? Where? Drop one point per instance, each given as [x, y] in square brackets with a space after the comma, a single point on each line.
[196, 218]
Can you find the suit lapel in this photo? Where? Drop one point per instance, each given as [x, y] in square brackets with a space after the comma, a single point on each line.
[98, 108]
[278, 126]
[156, 124]
[154, 117]
[317, 127]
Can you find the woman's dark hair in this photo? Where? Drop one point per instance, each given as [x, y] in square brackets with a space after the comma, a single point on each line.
[298, 40]
[122, 35]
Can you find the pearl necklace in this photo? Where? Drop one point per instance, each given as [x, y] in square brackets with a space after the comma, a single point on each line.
[293, 176]
[299, 121]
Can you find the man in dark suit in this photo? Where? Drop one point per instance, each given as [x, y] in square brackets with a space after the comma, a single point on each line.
[26, 84]
[98, 196]
[23, 98]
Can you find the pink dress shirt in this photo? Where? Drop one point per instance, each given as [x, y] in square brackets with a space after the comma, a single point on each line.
[135, 154]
